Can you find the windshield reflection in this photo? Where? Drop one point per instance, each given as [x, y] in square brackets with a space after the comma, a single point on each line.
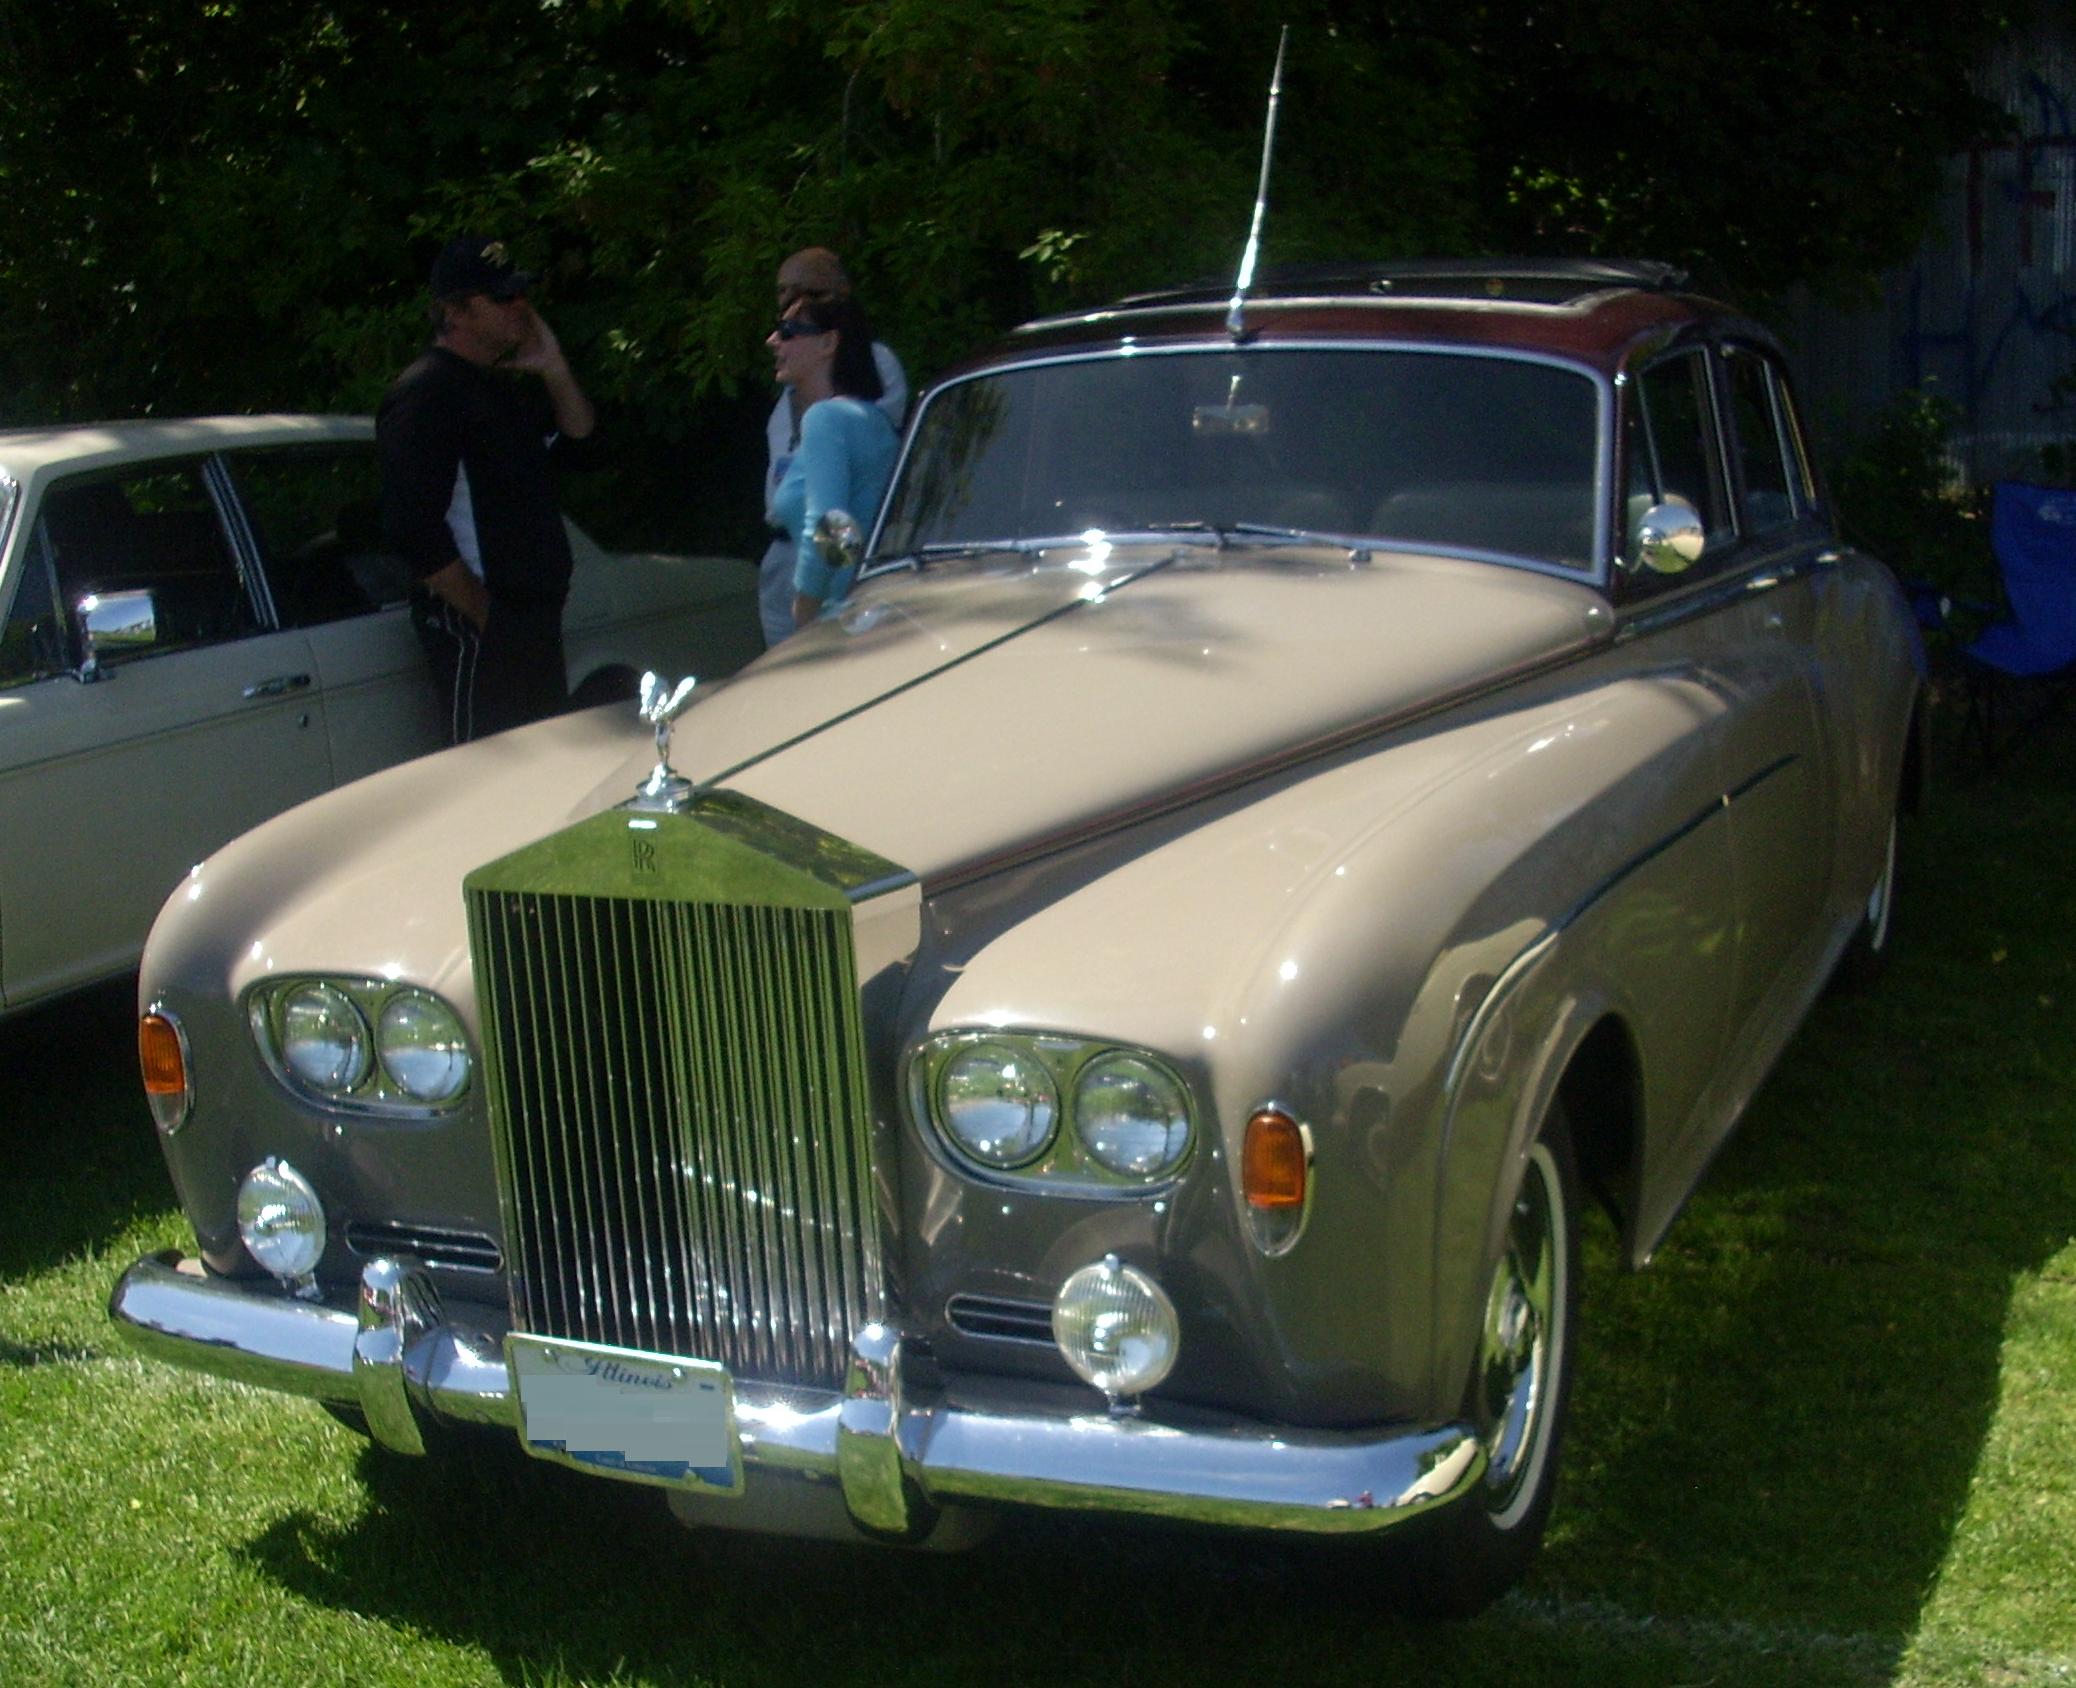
[1430, 449]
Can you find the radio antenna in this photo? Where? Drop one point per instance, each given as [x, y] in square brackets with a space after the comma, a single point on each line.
[1235, 320]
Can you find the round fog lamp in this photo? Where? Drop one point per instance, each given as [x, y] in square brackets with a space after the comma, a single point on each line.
[1116, 1327]
[281, 1220]
[422, 1046]
[324, 1039]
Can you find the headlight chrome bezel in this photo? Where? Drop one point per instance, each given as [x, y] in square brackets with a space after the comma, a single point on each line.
[1064, 1163]
[374, 1092]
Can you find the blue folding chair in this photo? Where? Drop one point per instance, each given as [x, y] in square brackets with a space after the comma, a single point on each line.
[2033, 535]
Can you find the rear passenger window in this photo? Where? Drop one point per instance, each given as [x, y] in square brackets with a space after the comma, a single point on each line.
[154, 531]
[1762, 442]
[316, 517]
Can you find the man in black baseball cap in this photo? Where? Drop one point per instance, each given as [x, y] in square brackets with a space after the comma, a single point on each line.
[472, 438]
[470, 264]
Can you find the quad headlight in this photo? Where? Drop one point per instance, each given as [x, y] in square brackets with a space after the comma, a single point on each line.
[1074, 1112]
[422, 1047]
[999, 1103]
[324, 1038]
[363, 1045]
[1132, 1115]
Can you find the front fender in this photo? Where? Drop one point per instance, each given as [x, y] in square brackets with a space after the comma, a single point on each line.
[1326, 943]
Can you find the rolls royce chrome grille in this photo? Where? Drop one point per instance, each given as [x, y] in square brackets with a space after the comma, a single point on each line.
[681, 1112]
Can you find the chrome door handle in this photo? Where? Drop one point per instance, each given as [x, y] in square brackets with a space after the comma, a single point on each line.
[278, 686]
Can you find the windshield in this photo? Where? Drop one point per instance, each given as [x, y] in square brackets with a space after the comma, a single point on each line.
[1484, 454]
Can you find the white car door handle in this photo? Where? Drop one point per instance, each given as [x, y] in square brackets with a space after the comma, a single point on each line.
[279, 685]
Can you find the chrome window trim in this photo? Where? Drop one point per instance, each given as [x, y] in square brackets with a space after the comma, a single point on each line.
[1791, 464]
[1760, 572]
[30, 555]
[10, 504]
[223, 493]
[1597, 573]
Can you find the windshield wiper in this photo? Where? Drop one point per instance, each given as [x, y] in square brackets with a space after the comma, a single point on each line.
[1223, 534]
[937, 550]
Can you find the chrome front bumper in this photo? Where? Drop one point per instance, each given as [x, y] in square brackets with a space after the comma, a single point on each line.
[895, 1458]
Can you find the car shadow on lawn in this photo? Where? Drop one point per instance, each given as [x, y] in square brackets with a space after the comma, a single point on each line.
[1779, 1421]
[1773, 1435]
[82, 1160]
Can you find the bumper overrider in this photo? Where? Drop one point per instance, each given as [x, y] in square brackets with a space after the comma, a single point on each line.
[894, 1454]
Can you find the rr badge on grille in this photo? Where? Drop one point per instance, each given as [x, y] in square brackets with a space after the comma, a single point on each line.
[662, 704]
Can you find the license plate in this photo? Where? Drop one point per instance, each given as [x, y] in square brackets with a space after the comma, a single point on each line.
[646, 1417]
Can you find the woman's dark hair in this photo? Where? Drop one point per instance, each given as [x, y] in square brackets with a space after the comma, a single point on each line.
[853, 373]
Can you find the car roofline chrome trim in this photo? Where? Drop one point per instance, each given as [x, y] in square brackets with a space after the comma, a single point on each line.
[1579, 305]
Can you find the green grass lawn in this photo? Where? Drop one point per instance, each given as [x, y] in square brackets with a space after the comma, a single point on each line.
[1826, 1438]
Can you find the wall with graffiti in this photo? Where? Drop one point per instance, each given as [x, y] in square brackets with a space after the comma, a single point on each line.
[1985, 316]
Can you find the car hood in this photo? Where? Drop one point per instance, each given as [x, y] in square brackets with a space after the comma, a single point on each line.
[977, 711]
[949, 719]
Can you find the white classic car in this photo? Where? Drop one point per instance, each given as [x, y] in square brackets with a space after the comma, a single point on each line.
[1124, 1013]
[199, 628]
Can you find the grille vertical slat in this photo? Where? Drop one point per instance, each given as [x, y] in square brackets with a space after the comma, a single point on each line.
[679, 1096]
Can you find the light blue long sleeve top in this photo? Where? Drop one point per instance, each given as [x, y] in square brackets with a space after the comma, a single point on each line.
[845, 460]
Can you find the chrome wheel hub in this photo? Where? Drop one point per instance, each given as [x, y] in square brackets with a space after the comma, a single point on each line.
[1522, 1343]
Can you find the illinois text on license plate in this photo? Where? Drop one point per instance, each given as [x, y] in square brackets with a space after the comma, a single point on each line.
[647, 1417]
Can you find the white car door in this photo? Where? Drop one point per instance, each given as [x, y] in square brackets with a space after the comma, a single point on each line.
[312, 513]
[202, 722]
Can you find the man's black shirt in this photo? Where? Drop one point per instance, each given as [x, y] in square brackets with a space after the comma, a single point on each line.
[446, 416]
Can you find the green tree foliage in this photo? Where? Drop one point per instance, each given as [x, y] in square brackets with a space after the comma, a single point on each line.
[230, 204]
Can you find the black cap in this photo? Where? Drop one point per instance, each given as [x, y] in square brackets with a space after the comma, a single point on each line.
[471, 264]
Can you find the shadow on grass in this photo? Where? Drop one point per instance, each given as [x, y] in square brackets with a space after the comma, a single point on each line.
[1774, 1431]
[76, 1139]
[1779, 1421]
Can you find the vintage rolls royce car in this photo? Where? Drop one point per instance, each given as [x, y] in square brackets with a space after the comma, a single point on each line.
[1122, 1013]
[199, 628]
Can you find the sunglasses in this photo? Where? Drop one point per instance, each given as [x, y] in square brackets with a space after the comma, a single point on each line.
[794, 328]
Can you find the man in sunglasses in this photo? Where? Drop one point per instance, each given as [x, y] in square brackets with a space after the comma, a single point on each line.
[815, 274]
[472, 438]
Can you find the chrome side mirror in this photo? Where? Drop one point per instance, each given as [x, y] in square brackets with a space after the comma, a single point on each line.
[839, 538]
[113, 624]
[1667, 538]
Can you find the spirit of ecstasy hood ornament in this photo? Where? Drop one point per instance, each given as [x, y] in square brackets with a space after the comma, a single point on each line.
[661, 704]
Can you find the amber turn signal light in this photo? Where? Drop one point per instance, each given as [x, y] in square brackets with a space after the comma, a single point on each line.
[1274, 1161]
[162, 1057]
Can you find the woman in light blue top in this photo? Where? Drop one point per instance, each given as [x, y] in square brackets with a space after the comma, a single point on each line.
[822, 349]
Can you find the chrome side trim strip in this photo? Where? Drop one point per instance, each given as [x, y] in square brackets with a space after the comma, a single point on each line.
[1005, 1440]
[1759, 574]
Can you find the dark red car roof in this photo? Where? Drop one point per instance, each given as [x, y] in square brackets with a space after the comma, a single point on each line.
[1595, 313]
